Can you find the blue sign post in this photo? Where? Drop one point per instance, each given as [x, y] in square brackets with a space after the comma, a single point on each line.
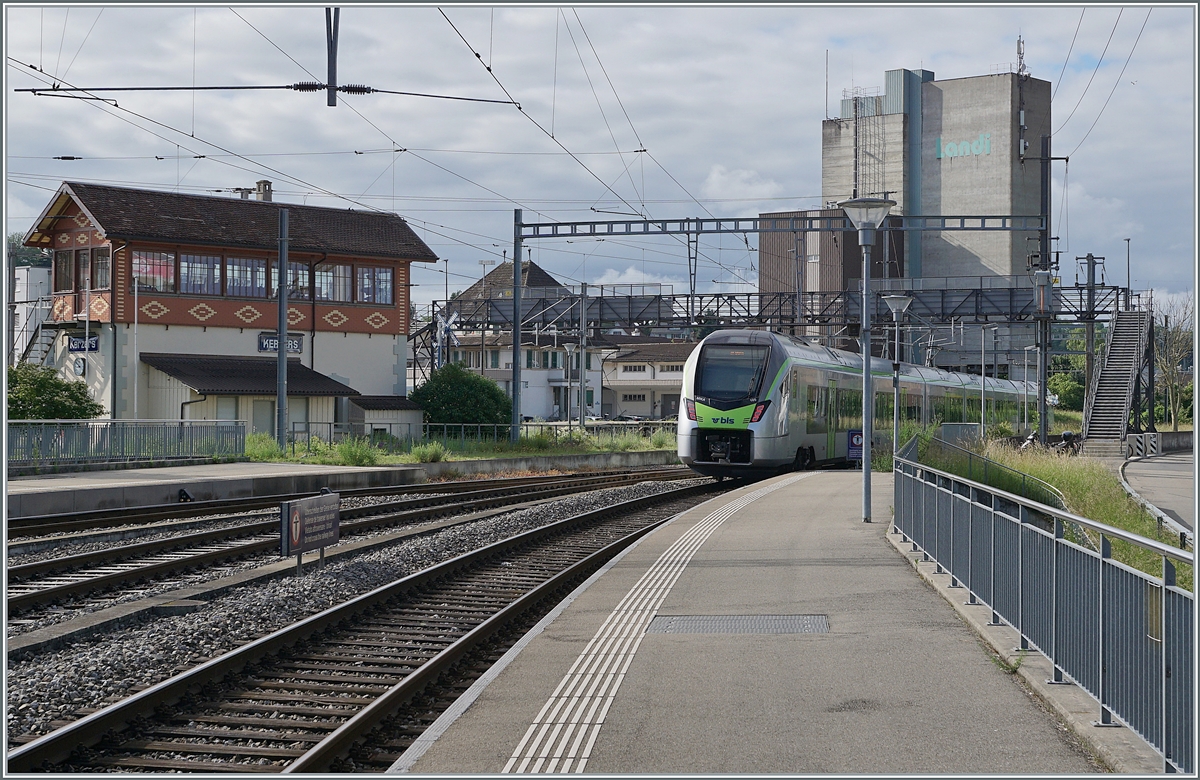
[309, 524]
[854, 445]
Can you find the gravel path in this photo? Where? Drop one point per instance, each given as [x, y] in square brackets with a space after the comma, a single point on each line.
[93, 673]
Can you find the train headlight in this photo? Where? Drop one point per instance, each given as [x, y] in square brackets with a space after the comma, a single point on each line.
[691, 409]
[759, 411]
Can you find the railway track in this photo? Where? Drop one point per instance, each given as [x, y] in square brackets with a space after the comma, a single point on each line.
[54, 580]
[73, 522]
[305, 698]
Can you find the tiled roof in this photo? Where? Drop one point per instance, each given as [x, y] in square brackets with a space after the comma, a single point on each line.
[384, 403]
[151, 215]
[220, 375]
[492, 285]
[652, 353]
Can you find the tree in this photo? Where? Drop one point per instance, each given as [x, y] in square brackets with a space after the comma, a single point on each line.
[1069, 391]
[454, 395]
[1173, 341]
[25, 255]
[39, 393]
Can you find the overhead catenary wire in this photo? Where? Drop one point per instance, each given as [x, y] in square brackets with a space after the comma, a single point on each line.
[1115, 83]
[1094, 72]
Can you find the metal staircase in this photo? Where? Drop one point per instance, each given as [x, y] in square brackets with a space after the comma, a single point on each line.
[40, 344]
[1106, 414]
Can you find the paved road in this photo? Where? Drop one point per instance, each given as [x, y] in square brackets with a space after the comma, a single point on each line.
[1168, 482]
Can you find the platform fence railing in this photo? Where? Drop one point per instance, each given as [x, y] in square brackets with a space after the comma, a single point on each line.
[401, 437]
[62, 442]
[1122, 636]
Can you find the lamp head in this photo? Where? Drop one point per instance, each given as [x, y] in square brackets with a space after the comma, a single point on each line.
[866, 213]
[897, 303]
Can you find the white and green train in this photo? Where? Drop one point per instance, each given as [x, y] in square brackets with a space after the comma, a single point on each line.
[756, 403]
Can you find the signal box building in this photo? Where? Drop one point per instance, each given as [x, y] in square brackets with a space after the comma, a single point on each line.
[178, 296]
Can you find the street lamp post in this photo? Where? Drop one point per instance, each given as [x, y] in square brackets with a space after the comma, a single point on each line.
[898, 304]
[483, 330]
[983, 378]
[866, 214]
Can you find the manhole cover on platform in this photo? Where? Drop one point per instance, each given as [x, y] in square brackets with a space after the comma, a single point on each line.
[739, 624]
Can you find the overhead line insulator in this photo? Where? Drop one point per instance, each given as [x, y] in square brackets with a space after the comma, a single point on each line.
[356, 89]
[308, 86]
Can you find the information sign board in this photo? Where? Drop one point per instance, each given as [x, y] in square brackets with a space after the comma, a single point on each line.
[269, 342]
[309, 524]
[80, 344]
[854, 445]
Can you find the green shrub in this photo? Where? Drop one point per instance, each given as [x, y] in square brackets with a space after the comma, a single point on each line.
[433, 452]
[453, 395]
[262, 447]
[539, 442]
[663, 440]
[357, 451]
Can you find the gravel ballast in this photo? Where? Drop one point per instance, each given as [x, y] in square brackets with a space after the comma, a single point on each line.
[55, 685]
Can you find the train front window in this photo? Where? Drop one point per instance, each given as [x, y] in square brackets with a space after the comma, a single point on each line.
[730, 372]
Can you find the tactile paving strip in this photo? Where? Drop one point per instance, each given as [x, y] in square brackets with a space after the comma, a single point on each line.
[739, 624]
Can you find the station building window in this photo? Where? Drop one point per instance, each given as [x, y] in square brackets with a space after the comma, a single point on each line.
[375, 285]
[633, 397]
[333, 282]
[64, 271]
[200, 274]
[83, 269]
[627, 368]
[154, 271]
[101, 269]
[246, 277]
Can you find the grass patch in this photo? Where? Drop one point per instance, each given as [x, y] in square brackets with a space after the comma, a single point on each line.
[262, 448]
[1093, 491]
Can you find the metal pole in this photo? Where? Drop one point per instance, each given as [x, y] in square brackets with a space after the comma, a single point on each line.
[514, 435]
[136, 361]
[583, 357]
[281, 364]
[982, 387]
[866, 239]
[1128, 279]
[1044, 267]
[896, 390]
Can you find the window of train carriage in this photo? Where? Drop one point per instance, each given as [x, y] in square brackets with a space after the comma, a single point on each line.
[731, 372]
[849, 410]
[817, 409]
[883, 410]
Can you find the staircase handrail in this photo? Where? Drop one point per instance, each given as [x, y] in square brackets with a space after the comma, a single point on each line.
[1097, 368]
[1146, 319]
[44, 302]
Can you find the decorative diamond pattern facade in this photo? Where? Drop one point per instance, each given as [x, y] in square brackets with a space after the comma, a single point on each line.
[377, 320]
[295, 316]
[335, 318]
[202, 311]
[154, 310]
[99, 308]
[247, 314]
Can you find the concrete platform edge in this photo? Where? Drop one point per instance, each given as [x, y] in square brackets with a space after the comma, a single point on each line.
[405, 762]
[1119, 748]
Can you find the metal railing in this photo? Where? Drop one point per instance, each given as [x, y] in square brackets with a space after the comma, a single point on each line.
[1122, 636]
[969, 465]
[400, 437]
[54, 442]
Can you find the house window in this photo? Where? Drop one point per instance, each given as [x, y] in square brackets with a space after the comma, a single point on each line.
[375, 285]
[672, 368]
[633, 397]
[495, 353]
[529, 358]
[200, 274]
[553, 360]
[101, 269]
[154, 271]
[588, 363]
[83, 268]
[629, 369]
[64, 271]
[297, 281]
[333, 282]
[246, 277]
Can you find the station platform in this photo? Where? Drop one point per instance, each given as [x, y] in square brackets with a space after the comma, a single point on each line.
[90, 490]
[768, 630]
[1167, 481]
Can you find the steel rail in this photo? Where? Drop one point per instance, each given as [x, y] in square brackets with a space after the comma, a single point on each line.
[58, 745]
[20, 602]
[25, 571]
[65, 522]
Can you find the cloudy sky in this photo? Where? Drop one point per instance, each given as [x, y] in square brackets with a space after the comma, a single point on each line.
[727, 103]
